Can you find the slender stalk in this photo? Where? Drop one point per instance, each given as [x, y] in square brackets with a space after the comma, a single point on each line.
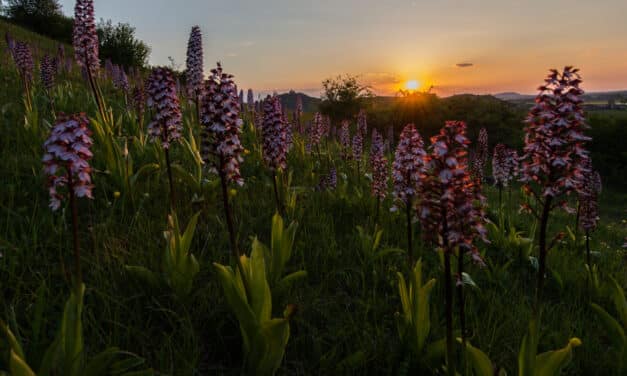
[279, 205]
[232, 239]
[376, 212]
[410, 250]
[577, 219]
[77, 250]
[500, 197]
[462, 313]
[588, 249]
[544, 219]
[448, 295]
[96, 92]
[170, 180]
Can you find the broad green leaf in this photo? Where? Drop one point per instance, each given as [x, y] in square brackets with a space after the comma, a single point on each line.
[551, 363]
[19, 367]
[613, 327]
[481, 364]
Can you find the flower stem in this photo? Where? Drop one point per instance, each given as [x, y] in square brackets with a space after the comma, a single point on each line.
[544, 219]
[171, 181]
[279, 206]
[77, 250]
[232, 238]
[410, 250]
[461, 298]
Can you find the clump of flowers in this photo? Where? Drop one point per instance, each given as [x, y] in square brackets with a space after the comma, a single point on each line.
[451, 212]
[138, 99]
[166, 125]
[328, 181]
[345, 141]
[358, 149]
[380, 173]
[362, 123]
[554, 151]
[66, 158]
[120, 79]
[504, 167]
[85, 37]
[250, 100]
[23, 58]
[48, 70]
[274, 134]
[67, 152]
[221, 148]
[194, 73]
[408, 165]
[316, 130]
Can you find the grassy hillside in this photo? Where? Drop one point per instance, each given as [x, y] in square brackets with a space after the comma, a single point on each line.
[348, 305]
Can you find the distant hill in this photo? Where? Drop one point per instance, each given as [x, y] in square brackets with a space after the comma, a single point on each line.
[618, 96]
[310, 104]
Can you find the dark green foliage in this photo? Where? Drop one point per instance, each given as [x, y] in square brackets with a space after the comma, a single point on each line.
[343, 97]
[42, 16]
[119, 44]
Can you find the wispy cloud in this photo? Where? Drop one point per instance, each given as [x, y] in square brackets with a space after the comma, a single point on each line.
[464, 65]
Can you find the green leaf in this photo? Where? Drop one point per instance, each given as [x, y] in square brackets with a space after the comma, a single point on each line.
[19, 367]
[613, 327]
[528, 350]
[551, 363]
[481, 364]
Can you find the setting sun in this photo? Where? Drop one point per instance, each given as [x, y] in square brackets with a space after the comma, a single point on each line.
[412, 85]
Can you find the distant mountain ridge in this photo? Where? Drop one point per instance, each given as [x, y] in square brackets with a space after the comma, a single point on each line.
[310, 104]
[599, 96]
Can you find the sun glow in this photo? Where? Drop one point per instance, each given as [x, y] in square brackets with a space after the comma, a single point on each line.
[412, 85]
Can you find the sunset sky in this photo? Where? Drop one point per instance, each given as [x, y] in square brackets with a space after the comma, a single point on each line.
[487, 46]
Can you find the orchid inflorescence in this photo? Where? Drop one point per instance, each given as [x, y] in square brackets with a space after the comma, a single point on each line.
[316, 130]
[66, 158]
[451, 209]
[590, 188]
[358, 146]
[345, 141]
[554, 150]
[221, 148]
[162, 97]
[505, 165]
[85, 37]
[274, 134]
[194, 73]
[48, 71]
[362, 123]
[250, 100]
[379, 165]
[24, 60]
[408, 165]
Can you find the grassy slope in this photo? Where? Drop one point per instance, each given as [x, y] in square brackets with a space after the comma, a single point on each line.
[345, 323]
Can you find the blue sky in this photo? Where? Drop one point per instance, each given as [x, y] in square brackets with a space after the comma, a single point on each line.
[475, 46]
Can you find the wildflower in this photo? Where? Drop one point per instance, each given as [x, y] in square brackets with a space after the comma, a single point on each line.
[66, 158]
[24, 61]
[358, 145]
[48, 71]
[161, 90]
[379, 165]
[250, 100]
[85, 37]
[138, 98]
[316, 129]
[221, 147]
[120, 79]
[554, 150]
[448, 211]
[362, 123]
[195, 74]
[274, 134]
[504, 165]
[408, 165]
[345, 140]
[482, 146]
